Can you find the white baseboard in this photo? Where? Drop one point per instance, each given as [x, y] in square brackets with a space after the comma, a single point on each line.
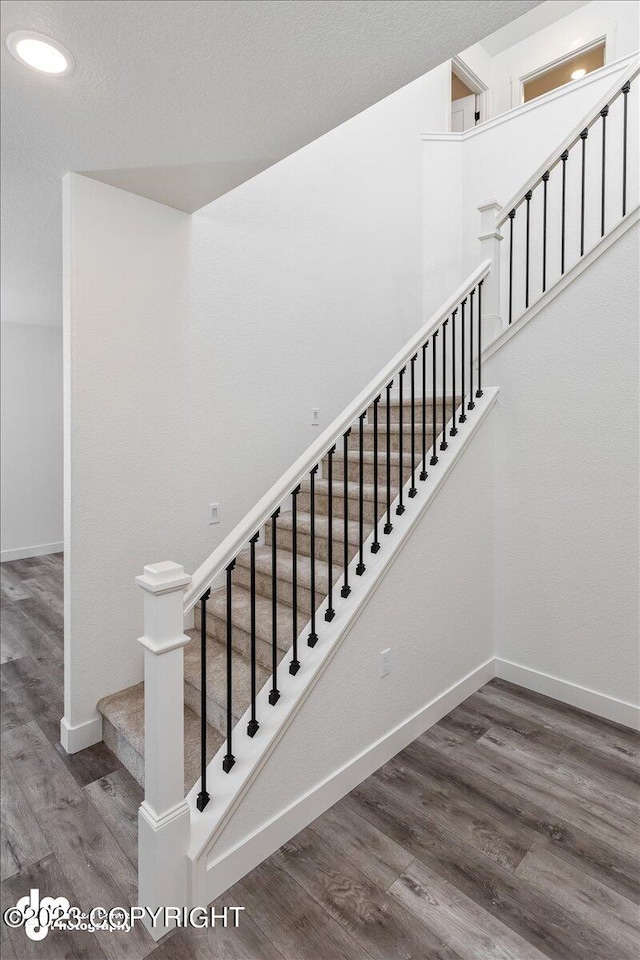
[217, 876]
[22, 553]
[572, 693]
[80, 736]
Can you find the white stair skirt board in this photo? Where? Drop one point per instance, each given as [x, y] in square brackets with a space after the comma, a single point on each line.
[222, 874]
[23, 553]
[627, 222]
[210, 878]
[571, 693]
[82, 735]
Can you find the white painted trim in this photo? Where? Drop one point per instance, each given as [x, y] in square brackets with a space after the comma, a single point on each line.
[223, 873]
[523, 108]
[477, 86]
[82, 735]
[207, 826]
[572, 693]
[607, 241]
[22, 553]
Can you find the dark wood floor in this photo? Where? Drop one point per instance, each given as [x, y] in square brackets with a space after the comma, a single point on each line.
[509, 830]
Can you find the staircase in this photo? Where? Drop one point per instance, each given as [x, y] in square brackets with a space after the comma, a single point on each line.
[123, 712]
[276, 598]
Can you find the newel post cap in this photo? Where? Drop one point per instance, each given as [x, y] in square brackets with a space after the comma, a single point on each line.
[164, 577]
[489, 205]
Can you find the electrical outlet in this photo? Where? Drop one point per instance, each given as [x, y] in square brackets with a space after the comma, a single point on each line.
[315, 417]
[386, 662]
[214, 513]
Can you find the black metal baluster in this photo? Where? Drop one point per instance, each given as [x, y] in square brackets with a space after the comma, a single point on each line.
[203, 796]
[564, 157]
[583, 137]
[545, 181]
[360, 568]
[313, 636]
[443, 442]
[253, 725]
[603, 113]
[423, 472]
[471, 404]
[330, 612]
[375, 546]
[434, 401]
[463, 416]
[413, 491]
[479, 390]
[294, 666]
[229, 758]
[346, 589]
[388, 527]
[274, 693]
[625, 93]
[512, 216]
[400, 508]
[454, 429]
[527, 197]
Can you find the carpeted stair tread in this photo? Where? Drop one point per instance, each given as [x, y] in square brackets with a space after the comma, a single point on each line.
[241, 614]
[217, 673]
[322, 526]
[284, 567]
[125, 712]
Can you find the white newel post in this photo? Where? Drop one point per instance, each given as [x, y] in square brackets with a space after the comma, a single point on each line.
[490, 238]
[163, 819]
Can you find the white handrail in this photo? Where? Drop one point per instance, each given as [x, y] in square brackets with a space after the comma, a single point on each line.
[554, 158]
[222, 556]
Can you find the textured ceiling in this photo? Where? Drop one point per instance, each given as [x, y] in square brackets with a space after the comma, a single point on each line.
[205, 93]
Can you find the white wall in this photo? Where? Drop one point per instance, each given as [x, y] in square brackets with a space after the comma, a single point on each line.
[197, 347]
[567, 482]
[31, 440]
[617, 20]
[434, 608]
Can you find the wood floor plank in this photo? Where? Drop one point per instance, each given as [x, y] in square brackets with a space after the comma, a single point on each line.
[11, 646]
[599, 797]
[117, 798]
[528, 912]
[292, 921]
[21, 839]
[558, 801]
[565, 719]
[36, 643]
[245, 942]
[376, 855]
[589, 902]
[591, 764]
[478, 712]
[47, 876]
[30, 695]
[465, 926]
[382, 927]
[614, 868]
[439, 802]
[97, 869]
[12, 588]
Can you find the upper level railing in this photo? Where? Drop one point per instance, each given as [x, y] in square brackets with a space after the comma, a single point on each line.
[573, 198]
[447, 351]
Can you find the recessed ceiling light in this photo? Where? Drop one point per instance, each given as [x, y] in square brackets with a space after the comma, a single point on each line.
[40, 53]
[578, 74]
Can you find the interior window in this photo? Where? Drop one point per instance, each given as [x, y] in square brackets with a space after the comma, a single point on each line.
[573, 69]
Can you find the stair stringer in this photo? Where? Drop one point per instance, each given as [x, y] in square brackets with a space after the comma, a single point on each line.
[211, 868]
